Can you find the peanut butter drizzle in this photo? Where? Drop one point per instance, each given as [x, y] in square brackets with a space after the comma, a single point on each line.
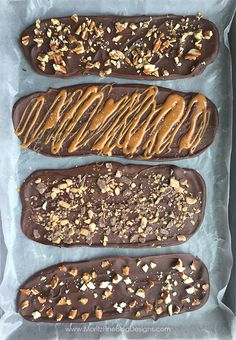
[131, 123]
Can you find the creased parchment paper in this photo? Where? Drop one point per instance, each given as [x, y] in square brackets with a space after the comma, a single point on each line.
[211, 243]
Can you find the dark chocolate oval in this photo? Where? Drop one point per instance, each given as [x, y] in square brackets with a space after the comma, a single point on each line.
[142, 47]
[117, 287]
[113, 205]
[132, 121]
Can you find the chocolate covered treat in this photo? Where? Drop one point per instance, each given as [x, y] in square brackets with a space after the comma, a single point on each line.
[132, 121]
[117, 287]
[138, 47]
[113, 205]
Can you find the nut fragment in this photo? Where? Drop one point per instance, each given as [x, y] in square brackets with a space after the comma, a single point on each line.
[125, 270]
[24, 304]
[86, 277]
[73, 271]
[193, 265]
[120, 26]
[166, 297]
[193, 54]
[205, 287]
[75, 18]
[41, 299]
[25, 40]
[98, 313]
[190, 290]
[25, 292]
[59, 68]
[35, 291]
[116, 55]
[105, 264]
[36, 315]
[49, 312]
[159, 310]
[84, 301]
[72, 314]
[191, 200]
[79, 49]
[59, 316]
[54, 281]
[181, 238]
[196, 302]
[207, 35]
[132, 304]
[107, 293]
[85, 316]
[116, 278]
[145, 268]
[140, 292]
[64, 301]
[179, 266]
[63, 268]
[148, 307]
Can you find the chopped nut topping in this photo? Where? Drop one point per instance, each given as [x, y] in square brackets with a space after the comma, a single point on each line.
[35, 291]
[132, 304]
[64, 301]
[196, 302]
[59, 316]
[54, 281]
[191, 200]
[25, 40]
[159, 310]
[205, 287]
[140, 292]
[75, 18]
[193, 265]
[84, 301]
[125, 270]
[85, 316]
[190, 290]
[181, 238]
[73, 272]
[117, 278]
[25, 292]
[62, 268]
[41, 299]
[193, 54]
[120, 27]
[145, 268]
[105, 264]
[179, 266]
[36, 315]
[98, 313]
[49, 312]
[24, 304]
[72, 314]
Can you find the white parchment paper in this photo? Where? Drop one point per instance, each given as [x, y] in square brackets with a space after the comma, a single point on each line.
[211, 243]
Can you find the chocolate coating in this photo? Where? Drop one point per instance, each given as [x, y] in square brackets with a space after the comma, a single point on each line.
[132, 121]
[113, 205]
[117, 287]
[138, 47]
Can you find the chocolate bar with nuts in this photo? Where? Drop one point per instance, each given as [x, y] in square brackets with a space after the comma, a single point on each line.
[117, 287]
[132, 121]
[113, 205]
[134, 47]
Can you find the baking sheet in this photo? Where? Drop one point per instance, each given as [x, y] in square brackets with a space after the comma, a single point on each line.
[211, 243]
